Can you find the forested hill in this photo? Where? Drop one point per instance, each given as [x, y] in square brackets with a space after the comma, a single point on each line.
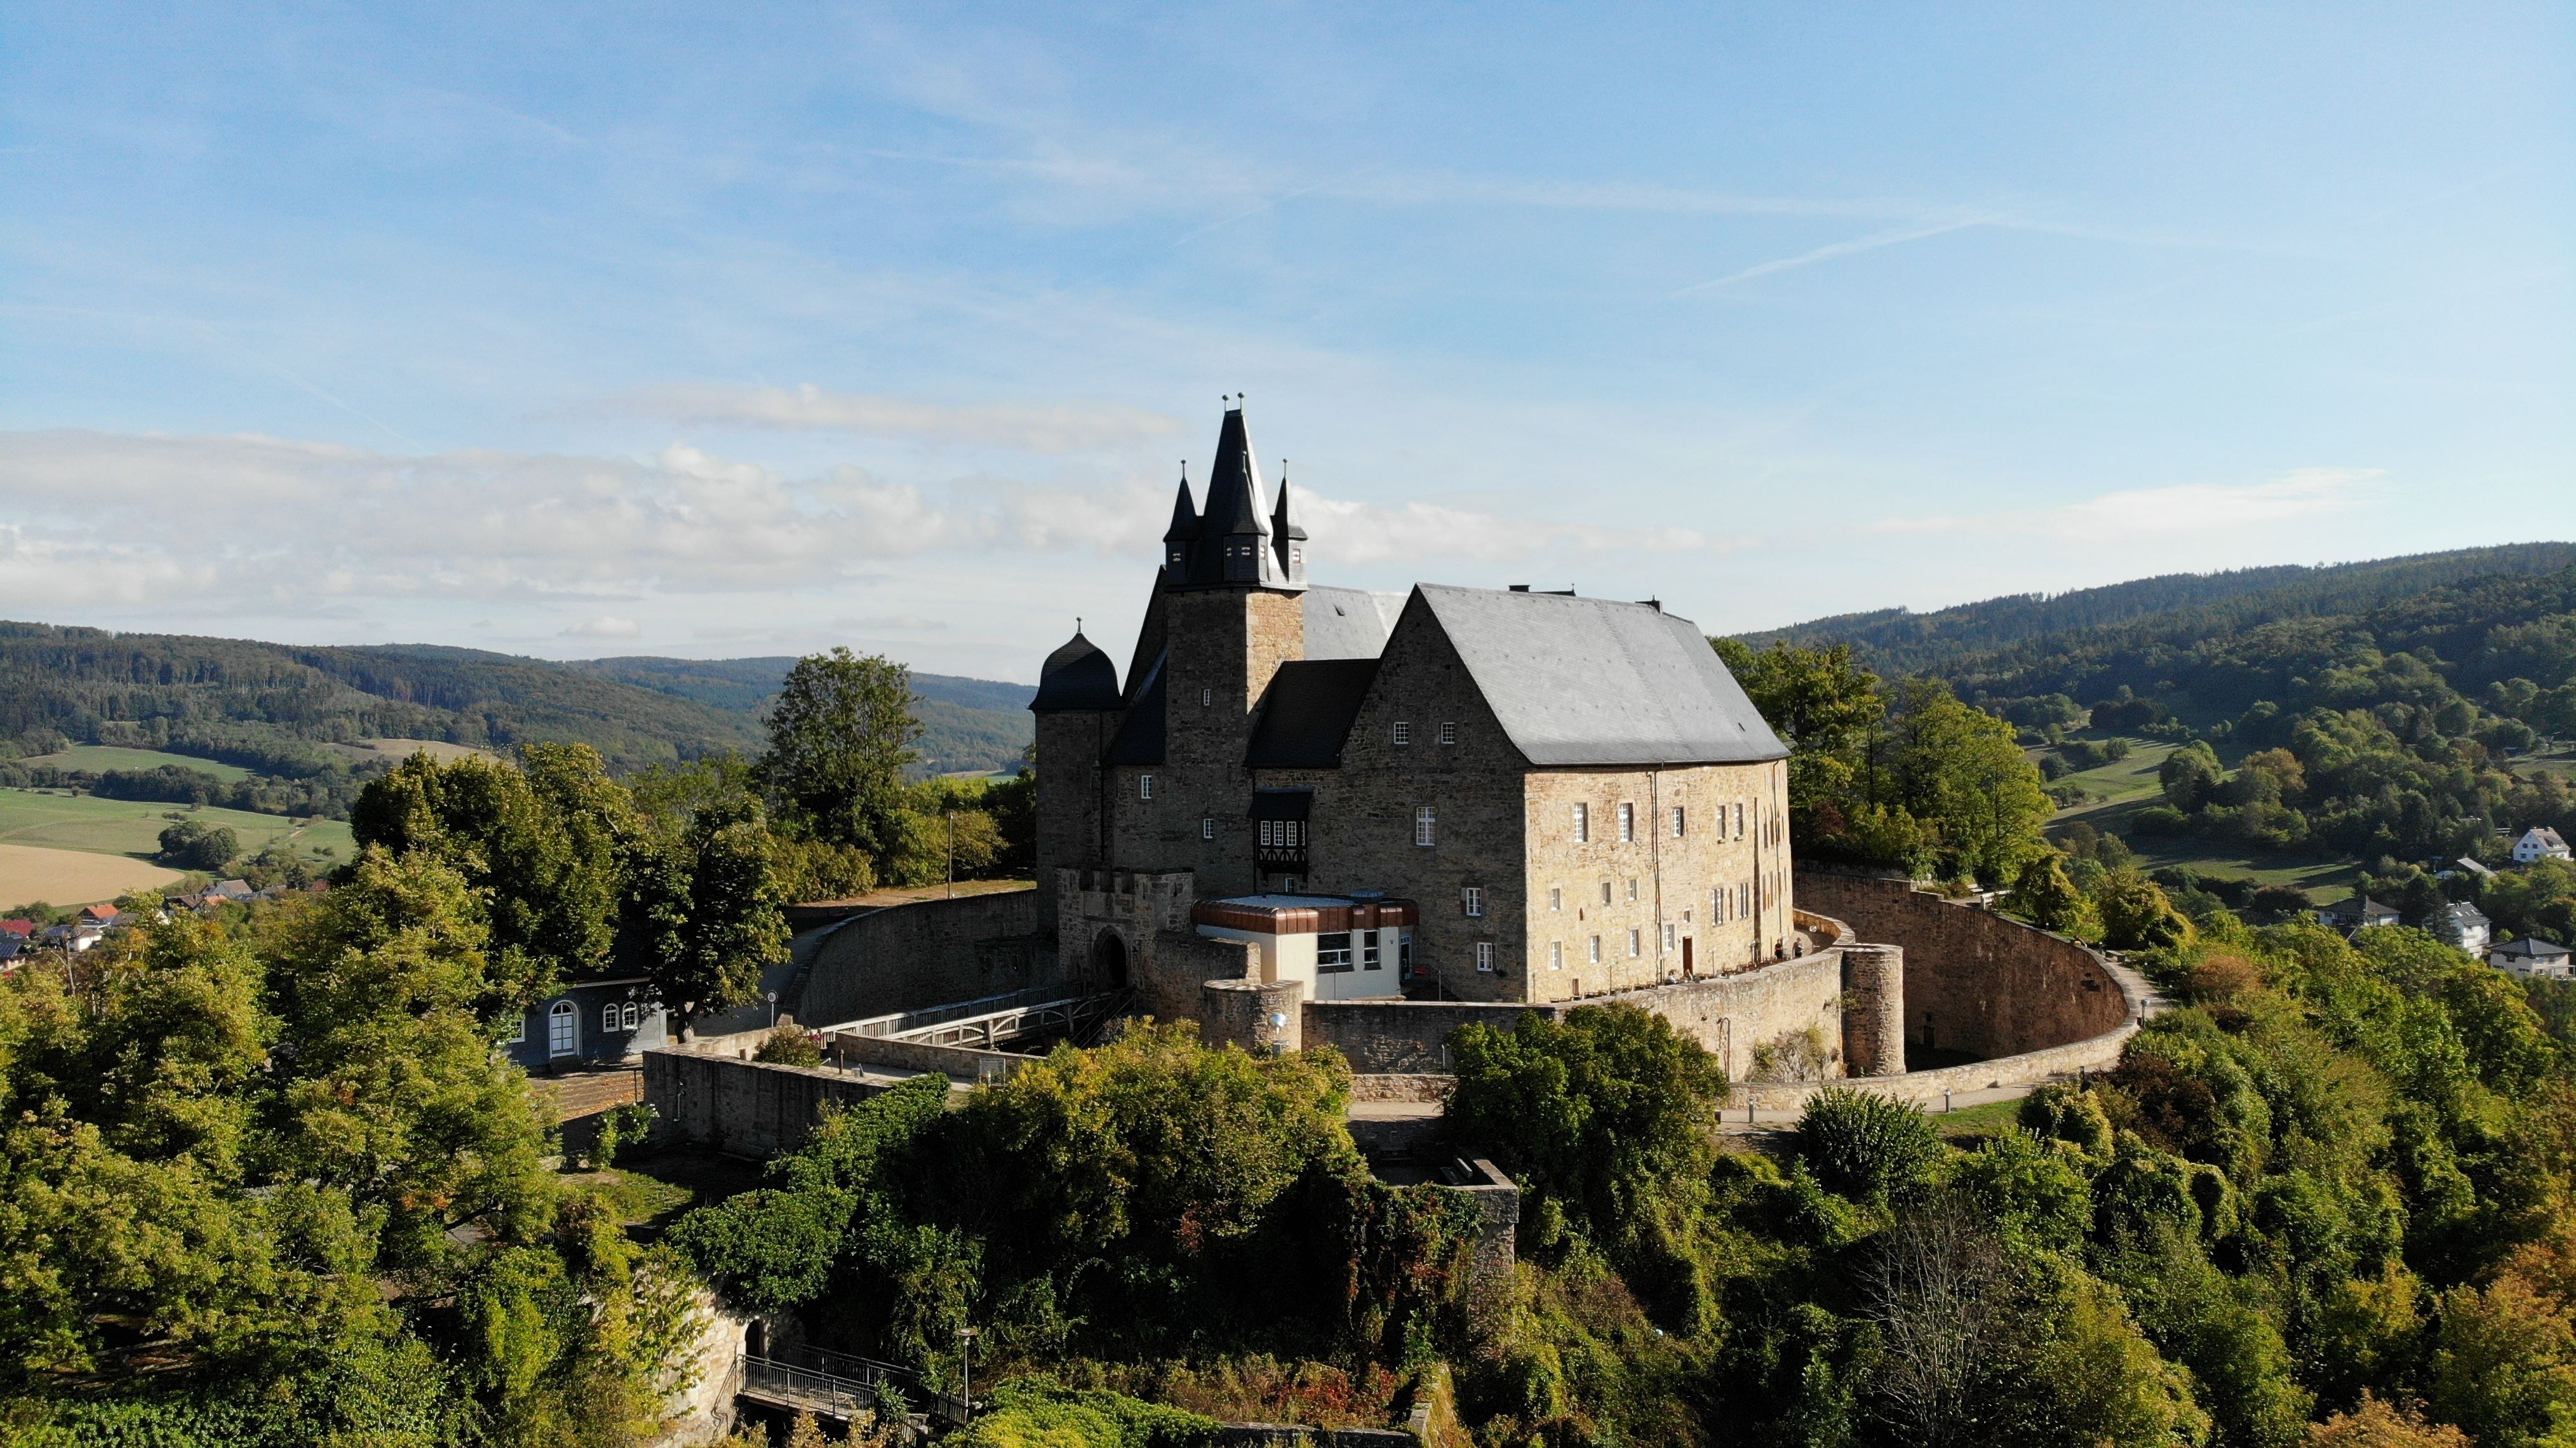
[1900, 641]
[250, 702]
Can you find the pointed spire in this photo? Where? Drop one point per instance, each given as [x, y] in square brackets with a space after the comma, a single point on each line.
[1234, 539]
[1287, 535]
[1185, 519]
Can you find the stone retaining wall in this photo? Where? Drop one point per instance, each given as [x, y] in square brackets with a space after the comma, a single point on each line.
[744, 1108]
[1976, 981]
[962, 1064]
[927, 953]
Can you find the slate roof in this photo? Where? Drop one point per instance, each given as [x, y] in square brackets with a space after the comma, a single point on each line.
[1140, 736]
[1077, 676]
[2531, 949]
[1588, 681]
[1349, 623]
[1306, 713]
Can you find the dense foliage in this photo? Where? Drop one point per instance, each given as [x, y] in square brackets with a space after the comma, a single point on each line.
[1146, 1199]
[1905, 776]
[263, 1181]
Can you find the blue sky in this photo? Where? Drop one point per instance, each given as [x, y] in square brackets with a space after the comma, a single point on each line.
[579, 330]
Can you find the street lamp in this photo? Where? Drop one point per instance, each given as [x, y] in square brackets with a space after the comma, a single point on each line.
[966, 1364]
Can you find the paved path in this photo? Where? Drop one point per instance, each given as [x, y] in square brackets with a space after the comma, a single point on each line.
[1732, 1121]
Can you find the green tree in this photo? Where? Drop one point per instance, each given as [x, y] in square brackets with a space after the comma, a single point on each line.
[194, 845]
[840, 735]
[1820, 703]
[704, 883]
[1960, 772]
[2043, 894]
[2137, 915]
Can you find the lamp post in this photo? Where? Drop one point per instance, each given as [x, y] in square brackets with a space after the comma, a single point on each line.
[966, 1366]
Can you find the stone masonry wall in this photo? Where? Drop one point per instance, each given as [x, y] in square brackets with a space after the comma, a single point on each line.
[1069, 796]
[925, 954]
[1976, 981]
[744, 1108]
[1729, 1015]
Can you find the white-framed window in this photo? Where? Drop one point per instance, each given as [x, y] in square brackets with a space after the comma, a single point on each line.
[1448, 732]
[1556, 897]
[1677, 822]
[563, 1029]
[1739, 821]
[518, 1031]
[1207, 828]
[1269, 832]
[1475, 900]
[1636, 943]
[633, 1016]
[1582, 823]
[1144, 786]
[1368, 950]
[1333, 952]
[1596, 950]
[1632, 887]
[1485, 956]
[608, 1017]
[1206, 697]
[1717, 907]
[1627, 823]
[1556, 955]
[1403, 733]
[1296, 557]
[1668, 937]
[1605, 892]
[1422, 825]
[1296, 834]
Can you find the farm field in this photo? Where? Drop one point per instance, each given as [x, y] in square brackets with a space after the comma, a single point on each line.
[395, 751]
[2126, 786]
[133, 828]
[30, 873]
[99, 758]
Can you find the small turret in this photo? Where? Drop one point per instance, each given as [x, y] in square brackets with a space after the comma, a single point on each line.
[1076, 676]
[1234, 542]
[1183, 532]
[1287, 535]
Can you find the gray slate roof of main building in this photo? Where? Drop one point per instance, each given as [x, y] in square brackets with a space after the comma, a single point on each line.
[1588, 681]
[1349, 623]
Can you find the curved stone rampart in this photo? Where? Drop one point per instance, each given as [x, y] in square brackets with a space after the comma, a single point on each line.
[1976, 981]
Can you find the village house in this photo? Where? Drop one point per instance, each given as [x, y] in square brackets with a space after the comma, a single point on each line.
[2463, 925]
[2358, 913]
[2539, 843]
[2532, 960]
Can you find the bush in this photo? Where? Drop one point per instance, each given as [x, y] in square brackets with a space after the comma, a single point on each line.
[2160, 819]
[1866, 1146]
[1038, 1412]
[788, 1045]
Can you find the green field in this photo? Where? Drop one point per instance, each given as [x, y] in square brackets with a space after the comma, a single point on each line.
[2126, 786]
[100, 758]
[133, 827]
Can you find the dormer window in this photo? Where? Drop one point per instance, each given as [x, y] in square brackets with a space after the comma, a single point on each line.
[1403, 732]
[1144, 786]
[1448, 732]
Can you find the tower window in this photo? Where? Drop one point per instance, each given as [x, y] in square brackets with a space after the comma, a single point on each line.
[1403, 732]
[1206, 697]
[1596, 950]
[1296, 557]
[1144, 786]
[1422, 823]
[1582, 823]
[1207, 828]
[1556, 955]
[1636, 943]
[1677, 822]
[1632, 887]
[1475, 900]
[1627, 823]
[1448, 732]
[1485, 956]
[1556, 897]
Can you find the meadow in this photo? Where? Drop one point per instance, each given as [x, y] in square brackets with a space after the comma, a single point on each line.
[2123, 787]
[129, 827]
[100, 758]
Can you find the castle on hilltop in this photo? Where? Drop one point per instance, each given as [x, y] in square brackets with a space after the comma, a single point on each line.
[1453, 793]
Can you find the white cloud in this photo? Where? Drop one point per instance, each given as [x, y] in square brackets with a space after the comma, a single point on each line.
[238, 523]
[2178, 511]
[1060, 429]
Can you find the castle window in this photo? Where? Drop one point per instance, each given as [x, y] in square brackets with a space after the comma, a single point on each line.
[1144, 786]
[1448, 732]
[1605, 892]
[1206, 697]
[1333, 952]
[1475, 900]
[1269, 834]
[1556, 955]
[1422, 822]
[1668, 937]
[1739, 821]
[1555, 897]
[1636, 943]
[1632, 887]
[1485, 956]
[1403, 732]
[1677, 822]
[1717, 906]
[1296, 557]
[1596, 950]
[1207, 828]
[1582, 823]
[1627, 823]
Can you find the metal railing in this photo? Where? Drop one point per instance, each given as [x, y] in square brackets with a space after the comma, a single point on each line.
[839, 1385]
[988, 1022]
[904, 1023]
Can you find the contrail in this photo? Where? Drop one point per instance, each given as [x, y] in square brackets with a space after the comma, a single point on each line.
[1839, 248]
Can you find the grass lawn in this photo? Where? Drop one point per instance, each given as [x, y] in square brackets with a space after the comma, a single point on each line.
[1983, 1120]
[2122, 781]
[100, 758]
[2127, 786]
[395, 751]
[133, 827]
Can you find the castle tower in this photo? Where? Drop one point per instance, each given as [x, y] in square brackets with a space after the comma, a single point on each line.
[1288, 537]
[1077, 707]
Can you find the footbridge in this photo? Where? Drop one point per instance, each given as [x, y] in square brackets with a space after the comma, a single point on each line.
[992, 1022]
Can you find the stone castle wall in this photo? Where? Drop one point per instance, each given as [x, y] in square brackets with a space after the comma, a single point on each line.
[1976, 981]
[740, 1107]
[928, 953]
